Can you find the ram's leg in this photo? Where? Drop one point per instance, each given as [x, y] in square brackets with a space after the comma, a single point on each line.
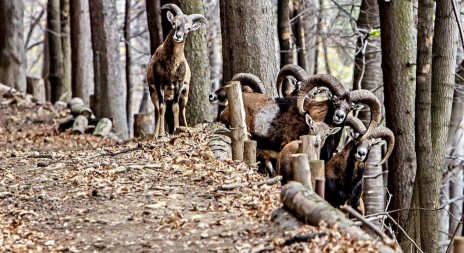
[175, 112]
[156, 103]
[183, 104]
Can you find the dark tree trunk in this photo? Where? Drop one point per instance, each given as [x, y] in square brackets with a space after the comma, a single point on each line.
[244, 52]
[310, 27]
[82, 56]
[55, 75]
[127, 35]
[284, 32]
[300, 39]
[111, 93]
[12, 53]
[66, 47]
[154, 18]
[399, 75]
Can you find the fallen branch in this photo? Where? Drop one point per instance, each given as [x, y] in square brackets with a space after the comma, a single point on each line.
[311, 208]
[269, 181]
[303, 238]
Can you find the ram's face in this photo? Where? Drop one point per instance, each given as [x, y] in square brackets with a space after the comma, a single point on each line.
[342, 108]
[181, 25]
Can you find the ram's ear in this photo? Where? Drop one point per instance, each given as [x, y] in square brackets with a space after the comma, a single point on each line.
[334, 130]
[308, 119]
[170, 17]
[350, 132]
[196, 26]
[377, 142]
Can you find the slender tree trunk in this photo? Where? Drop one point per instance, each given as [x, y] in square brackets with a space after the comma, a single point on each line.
[46, 68]
[310, 28]
[55, 76]
[105, 41]
[153, 8]
[130, 116]
[399, 75]
[283, 29]
[300, 39]
[443, 64]
[196, 53]
[66, 47]
[12, 53]
[244, 52]
[82, 56]
[368, 75]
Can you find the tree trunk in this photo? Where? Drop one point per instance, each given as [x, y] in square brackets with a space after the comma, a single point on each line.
[12, 53]
[55, 75]
[105, 40]
[244, 52]
[300, 40]
[154, 18]
[423, 117]
[443, 64]
[198, 107]
[398, 65]
[130, 116]
[283, 29]
[66, 47]
[368, 75]
[310, 28]
[46, 68]
[82, 56]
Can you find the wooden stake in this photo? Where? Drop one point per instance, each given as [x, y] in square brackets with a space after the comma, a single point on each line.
[458, 244]
[249, 154]
[79, 125]
[235, 100]
[320, 187]
[310, 145]
[237, 143]
[317, 171]
[143, 125]
[300, 168]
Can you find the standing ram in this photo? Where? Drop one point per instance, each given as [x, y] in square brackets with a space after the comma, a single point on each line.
[168, 73]
[344, 172]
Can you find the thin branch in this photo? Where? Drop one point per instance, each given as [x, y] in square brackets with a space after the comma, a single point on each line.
[404, 232]
[457, 21]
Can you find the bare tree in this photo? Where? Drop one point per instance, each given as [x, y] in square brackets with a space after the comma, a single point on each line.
[55, 76]
[111, 96]
[65, 33]
[299, 32]
[127, 34]
[12, 54]
[249, 48]
[399, 74]
[82, 56]
[284, 32]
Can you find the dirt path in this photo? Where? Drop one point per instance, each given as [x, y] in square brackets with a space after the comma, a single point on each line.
[79, 193]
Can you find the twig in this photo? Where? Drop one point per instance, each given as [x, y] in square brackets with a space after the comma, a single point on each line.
[457, 21]
[455, 231]
[40, 156]
[406, 234]
[387, 240]
[303, 238]
[139, 147]
[269, 181]
[374, 176]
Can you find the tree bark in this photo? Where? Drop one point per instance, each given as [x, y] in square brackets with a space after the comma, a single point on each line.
[423, 115]
[368, 75]
[253, 52]
[283, 29]
[55, 76]
[443, 70]
[12, 53]
[105, 40]
[398, 65]
[198, 107]
[300, 38]
[82, 56]
[127, 34]
[66, 47]
[153, 8]
[310, 29]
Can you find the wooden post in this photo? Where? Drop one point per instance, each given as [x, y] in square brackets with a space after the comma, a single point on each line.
[249, 154]
[458, 244]
[237, 143]
[317, 171]
[310, 145]
[143, 125]
[79, 125]
[300, 168]
[320, 186]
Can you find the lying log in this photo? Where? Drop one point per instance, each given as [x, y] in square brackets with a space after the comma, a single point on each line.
[312, 209]
[81, 109]
[79, 125]
[74, 101]
[103, 127]
[143, 125]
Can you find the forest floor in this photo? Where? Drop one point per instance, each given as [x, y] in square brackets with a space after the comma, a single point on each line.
[80, 193]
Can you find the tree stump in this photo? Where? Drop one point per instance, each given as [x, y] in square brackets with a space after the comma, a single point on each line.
[143, 125]
[249, 153]
[36, 87]
[103, 127]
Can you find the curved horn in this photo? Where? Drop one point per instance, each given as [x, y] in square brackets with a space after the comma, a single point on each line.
[290, 70]
[356, 124]
[386, 134]
[250, 80]
[198, 18]
[326, 80]
[368, 98]
[172, 7]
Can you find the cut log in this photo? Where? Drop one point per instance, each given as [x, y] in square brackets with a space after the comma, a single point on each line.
[301, 171]
[237, 109]
[237, 143]
[317, 171]
[103, 127]
[143, 125]
[79, 125]
[313, 209]
[80, 109]
[36, 87]
[74, 101]
[249, 153]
